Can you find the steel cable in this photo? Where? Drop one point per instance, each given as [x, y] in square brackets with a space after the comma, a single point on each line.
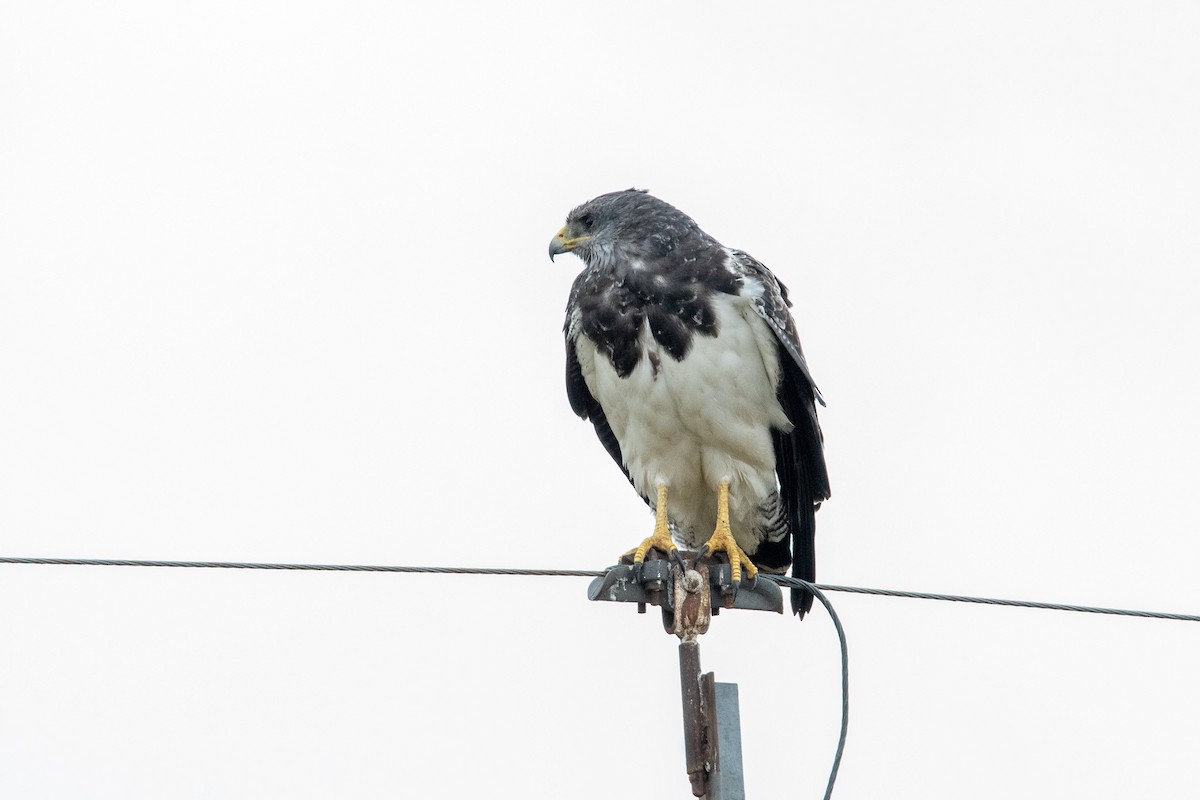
[582, 573]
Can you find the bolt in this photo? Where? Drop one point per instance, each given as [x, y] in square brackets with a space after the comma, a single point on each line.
[692, 581]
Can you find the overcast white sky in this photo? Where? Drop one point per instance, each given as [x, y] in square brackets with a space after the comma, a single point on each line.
[274, 287]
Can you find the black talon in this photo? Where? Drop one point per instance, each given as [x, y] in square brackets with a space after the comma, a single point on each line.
[679, 560]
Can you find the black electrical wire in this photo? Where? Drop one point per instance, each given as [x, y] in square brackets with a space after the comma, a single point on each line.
[841, 634]
[581, 573]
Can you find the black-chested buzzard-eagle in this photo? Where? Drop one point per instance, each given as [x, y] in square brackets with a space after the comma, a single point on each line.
[684, 356]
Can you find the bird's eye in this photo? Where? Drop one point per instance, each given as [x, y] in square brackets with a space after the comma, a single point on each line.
[586, 221]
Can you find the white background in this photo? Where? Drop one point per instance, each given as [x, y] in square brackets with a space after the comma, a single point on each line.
[274, 287]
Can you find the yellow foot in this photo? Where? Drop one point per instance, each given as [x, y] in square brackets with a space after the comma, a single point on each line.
[722, 540]
[661, 538]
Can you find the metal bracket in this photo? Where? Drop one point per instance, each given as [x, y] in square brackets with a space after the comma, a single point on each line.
[647, 584]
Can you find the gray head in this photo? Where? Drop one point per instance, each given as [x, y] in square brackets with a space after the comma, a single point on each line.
[631, 224]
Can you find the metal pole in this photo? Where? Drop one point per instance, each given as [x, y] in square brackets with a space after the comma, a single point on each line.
[694, 729]
[692, 612]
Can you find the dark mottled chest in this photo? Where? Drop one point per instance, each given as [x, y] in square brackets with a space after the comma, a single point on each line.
[673, 302]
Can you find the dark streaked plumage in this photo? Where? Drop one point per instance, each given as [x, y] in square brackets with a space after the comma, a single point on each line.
[684, 356]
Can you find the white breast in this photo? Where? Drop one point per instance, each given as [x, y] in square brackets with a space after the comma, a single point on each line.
[694, 423]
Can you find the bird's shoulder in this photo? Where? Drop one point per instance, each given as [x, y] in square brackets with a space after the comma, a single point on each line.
[769, 297]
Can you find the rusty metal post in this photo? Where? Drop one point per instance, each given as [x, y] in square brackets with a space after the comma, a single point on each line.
[694, 729]
[711, 728]
[693, 612]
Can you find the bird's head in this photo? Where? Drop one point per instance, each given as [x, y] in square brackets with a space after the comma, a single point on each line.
[631, 222]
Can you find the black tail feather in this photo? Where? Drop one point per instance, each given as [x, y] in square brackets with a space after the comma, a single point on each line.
[804, 559]
[803, 480]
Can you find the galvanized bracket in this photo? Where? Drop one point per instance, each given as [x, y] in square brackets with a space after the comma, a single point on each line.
[726, 781]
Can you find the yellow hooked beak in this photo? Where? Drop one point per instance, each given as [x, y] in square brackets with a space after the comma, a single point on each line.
[564, 242]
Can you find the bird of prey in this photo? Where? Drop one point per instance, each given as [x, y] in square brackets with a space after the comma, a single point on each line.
[683, 355]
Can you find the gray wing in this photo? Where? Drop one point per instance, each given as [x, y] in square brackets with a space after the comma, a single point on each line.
[799, 453]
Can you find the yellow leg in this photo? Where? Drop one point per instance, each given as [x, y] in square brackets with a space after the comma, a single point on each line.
[661, 538]
[722, 539]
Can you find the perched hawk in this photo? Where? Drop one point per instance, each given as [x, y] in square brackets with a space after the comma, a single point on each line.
[684, 356]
